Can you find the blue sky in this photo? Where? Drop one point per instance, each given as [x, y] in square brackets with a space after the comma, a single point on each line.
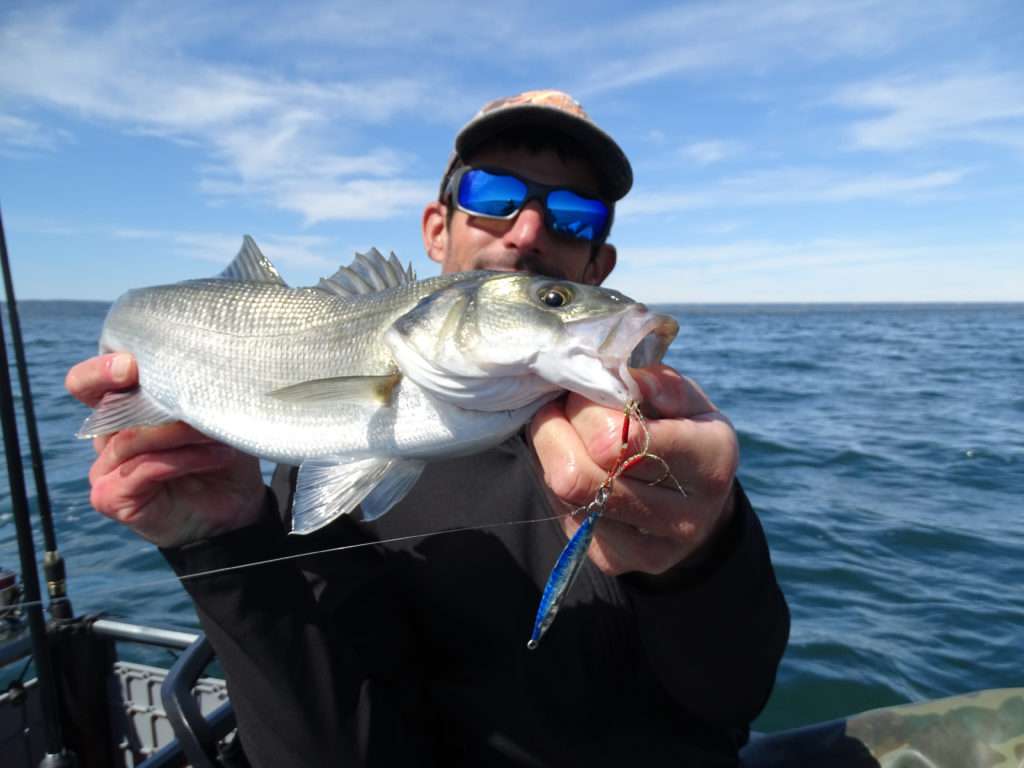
[789, 151]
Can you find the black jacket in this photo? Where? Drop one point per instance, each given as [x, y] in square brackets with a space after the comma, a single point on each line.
[414, 652]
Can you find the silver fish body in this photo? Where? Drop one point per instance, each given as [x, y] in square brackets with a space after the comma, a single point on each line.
[363, 378]
[213, 353]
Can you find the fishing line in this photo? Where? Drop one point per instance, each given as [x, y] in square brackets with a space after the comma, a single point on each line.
[241, 566]
[623, 464]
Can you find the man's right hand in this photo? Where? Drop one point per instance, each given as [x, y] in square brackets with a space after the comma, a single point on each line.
[169, 483]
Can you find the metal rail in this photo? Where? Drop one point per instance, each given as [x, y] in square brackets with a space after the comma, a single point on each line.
[19, 647]
[139, 633]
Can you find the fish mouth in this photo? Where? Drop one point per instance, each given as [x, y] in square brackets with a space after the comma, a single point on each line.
[639, 339]
[598, 362]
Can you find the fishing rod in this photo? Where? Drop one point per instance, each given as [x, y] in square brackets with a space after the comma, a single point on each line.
[53, 562]
[56, 755]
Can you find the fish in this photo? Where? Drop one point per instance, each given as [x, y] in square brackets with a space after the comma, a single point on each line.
[364, 378]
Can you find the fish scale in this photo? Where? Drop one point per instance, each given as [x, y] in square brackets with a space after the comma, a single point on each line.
[224, 348]
[365, 377]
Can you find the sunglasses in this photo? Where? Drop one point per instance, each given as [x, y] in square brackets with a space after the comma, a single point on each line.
[494, 193]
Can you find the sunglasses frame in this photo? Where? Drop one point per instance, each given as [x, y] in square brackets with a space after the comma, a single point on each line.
[535, 190]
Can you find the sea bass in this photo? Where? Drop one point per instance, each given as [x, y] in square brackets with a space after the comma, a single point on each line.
[367, 376]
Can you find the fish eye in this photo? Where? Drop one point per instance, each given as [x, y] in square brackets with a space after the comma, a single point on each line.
[555, 296]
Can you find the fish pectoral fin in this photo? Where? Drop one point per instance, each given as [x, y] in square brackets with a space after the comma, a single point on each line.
[399, 480]
[326, 489]
[352, 389]
[119, 410]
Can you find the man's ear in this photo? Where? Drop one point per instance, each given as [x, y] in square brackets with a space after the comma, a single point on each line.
[435, 231]
[602, 262]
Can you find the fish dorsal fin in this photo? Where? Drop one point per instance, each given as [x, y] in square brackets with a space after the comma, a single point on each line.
[251, 266]
[344, 282]
[410, 273]
[368, 273]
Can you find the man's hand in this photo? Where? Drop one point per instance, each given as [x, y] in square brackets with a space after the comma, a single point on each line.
[646, 529]
[169, 483]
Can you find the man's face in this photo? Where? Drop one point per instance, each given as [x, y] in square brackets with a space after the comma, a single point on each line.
[522, 243]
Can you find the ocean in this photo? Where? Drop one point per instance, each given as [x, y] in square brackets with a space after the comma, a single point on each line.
[882, 446]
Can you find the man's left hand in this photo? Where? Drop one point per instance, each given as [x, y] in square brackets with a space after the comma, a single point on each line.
[647, 529]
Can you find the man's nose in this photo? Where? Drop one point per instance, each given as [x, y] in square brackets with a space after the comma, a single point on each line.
[528, 231]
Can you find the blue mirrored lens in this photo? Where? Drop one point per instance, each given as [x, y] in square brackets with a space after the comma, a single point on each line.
[490, 194]
[575, 216]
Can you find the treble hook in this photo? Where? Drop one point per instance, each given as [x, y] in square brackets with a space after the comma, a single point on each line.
[571, 559]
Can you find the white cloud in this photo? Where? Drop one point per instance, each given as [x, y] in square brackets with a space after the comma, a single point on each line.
[642, 203]
[364, 199]
[690, 39]
[711, 151]
[823, 270]
[886, 186]
[718, 228]
[17, 133]
[42, 225]
[789, 186]
[615, 50]
[321, 188]
[766, 255]
[264, 132]
[139, 69]
[986, 107]
[296, 251]
[399, 24]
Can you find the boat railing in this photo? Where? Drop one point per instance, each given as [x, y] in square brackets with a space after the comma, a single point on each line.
[157, 716]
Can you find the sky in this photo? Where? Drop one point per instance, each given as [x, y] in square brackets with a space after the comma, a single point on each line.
[804, 151]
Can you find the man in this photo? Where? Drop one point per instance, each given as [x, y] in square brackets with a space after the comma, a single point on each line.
[414, 651]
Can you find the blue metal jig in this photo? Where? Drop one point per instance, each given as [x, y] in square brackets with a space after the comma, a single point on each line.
[567, 567]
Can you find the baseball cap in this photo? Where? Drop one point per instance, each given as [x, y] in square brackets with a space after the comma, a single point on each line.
[557, 111]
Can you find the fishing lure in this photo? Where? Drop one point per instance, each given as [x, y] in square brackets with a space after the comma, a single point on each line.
[571, 559]
[566, 568]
